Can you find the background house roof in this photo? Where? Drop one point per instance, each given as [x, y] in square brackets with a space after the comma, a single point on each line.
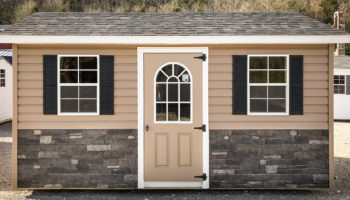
[342, 62]
[7, 54]
[169, 24]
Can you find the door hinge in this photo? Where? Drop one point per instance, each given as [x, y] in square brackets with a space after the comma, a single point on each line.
[203, 128]
[204, 176]
[202, 57]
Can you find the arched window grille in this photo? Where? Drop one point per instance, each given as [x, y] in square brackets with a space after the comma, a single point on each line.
[173, 94]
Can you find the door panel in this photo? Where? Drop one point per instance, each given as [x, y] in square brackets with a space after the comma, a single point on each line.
[162, 148]
[173, 107]
[185, 149]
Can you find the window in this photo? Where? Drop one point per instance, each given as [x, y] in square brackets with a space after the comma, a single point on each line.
[2, 78]
[78, 85]
[339, 84]
[268, 84]
[173, 94]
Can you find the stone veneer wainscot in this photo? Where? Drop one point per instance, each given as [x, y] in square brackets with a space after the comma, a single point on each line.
[77, 158]
[269, 159]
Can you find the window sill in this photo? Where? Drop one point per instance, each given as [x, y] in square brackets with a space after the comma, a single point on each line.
[78, 114]
[268, 114]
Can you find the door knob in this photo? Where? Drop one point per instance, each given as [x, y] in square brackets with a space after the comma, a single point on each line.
[147, 127]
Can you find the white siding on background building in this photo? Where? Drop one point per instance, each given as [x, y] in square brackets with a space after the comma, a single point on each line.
[342, 101]
[6, 92]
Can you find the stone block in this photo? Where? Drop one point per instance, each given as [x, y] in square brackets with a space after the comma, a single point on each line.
[77, 135]
[45, 139]
[99, 147]
[131, 137]
[320, 178]
[273, 157]
[130, 177]
[275, 184]
[21, 157]
[301, 178]
[74, 161]
[318, 142]
[233, 162]
[293, 133]
[36, 166]
[37, 132]
[47, 154]
[263, 162]
[304, 155]
[224, 171]
[301, 139]
[271, 169]
[219, 153]
[102, 186]
[53, 186]
[113, 166]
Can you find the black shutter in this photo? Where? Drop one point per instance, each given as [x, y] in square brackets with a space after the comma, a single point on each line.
[296, 71]
[239, 85]
[106, 85]
[50, 84]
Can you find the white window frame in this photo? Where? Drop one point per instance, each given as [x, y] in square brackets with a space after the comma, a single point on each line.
[179, 101]
[3, 78]
[78, 85]
[268, 84]
[340, 84]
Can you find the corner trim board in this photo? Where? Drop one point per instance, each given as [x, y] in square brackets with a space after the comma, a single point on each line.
[140, 99]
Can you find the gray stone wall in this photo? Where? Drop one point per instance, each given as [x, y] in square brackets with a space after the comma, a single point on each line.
[77, 158]
[269, 159]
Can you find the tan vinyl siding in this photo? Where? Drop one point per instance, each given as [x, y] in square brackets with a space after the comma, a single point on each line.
[315, 89]
[30, 89]
[316, 98]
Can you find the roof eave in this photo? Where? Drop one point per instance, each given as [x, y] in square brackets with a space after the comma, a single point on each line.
[178, 40]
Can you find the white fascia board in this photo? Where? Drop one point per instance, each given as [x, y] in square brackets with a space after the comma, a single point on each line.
[164, 40]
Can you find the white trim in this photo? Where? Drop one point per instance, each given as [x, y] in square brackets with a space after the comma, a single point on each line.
[59, 113]
[140, 89]
[179, 40]
[268, 84]
[179, 88]
[173, 184]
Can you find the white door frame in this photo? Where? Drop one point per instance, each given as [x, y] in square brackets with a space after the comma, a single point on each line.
[140, 99]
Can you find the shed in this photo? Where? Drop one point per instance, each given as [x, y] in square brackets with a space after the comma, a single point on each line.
[173, 100]
[342, 87]
[5, 85]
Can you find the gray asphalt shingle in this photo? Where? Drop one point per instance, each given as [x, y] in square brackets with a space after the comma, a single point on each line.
[170, 24]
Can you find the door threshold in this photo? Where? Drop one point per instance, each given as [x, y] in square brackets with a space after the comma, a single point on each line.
[173, 185]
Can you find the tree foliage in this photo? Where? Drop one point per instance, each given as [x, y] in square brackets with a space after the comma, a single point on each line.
[12, 11]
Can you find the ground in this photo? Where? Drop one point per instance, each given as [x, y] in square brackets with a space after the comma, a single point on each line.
[341, 191]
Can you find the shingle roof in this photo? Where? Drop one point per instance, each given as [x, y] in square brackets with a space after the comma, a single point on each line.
[169, 24]
[5, 52]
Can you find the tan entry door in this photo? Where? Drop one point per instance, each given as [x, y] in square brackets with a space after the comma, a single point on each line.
[173, 108]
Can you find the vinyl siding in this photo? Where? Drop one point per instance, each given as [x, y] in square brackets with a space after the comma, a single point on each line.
[30, 89]
[30, 100]
[315, 89]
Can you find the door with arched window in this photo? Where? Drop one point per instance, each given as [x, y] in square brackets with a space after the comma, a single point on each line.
[172, 109]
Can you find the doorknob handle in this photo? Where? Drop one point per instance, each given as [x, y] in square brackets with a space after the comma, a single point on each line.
[147, 128]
